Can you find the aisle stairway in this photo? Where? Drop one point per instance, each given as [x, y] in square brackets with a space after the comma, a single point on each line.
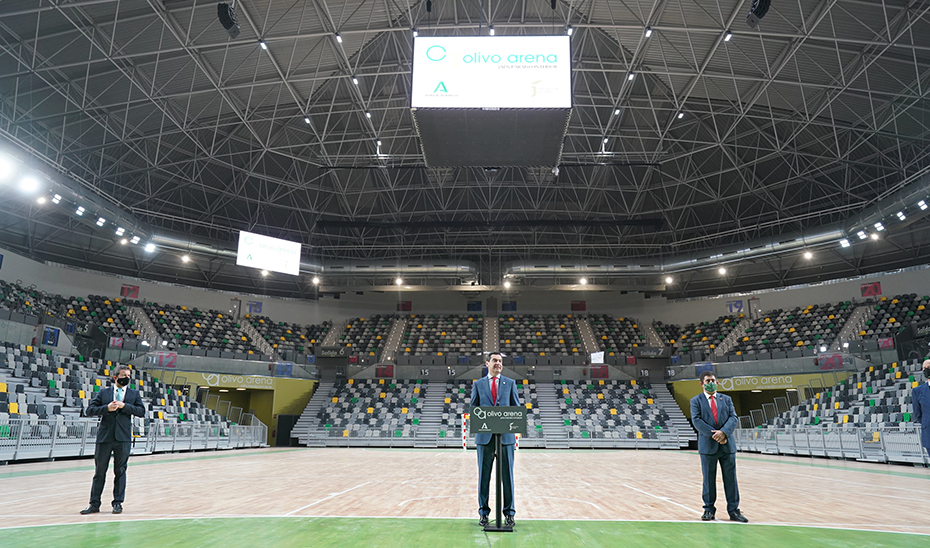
[550, 415]
[307, 429]
[676, 416]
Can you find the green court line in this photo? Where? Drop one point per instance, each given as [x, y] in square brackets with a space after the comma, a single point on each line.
[810, 463]
[438, 533]
[133, 462]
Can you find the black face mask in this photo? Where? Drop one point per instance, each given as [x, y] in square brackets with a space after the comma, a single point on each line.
[927, 372]
[122, 381]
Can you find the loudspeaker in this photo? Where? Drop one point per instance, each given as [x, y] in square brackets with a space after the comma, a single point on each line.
[227, 15]
[757, 11]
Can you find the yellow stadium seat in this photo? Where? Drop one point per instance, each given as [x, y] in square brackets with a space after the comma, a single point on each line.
[404, 410]
[447, 400]
[639, 435]
[529, 406]
[649, 401]
[14, 407]
[416, 390]
[577, 411]
[335, 400]
[370, 410]
[600, 396]
[613, 411]
[2, 387]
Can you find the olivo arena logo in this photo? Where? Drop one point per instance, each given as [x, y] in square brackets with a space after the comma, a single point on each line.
[438, 53]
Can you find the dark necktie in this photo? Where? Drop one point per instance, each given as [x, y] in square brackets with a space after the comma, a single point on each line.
[494, 390]
[713, 407]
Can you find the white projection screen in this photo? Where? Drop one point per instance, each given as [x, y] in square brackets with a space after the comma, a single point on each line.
[491, 72]
[272, 254]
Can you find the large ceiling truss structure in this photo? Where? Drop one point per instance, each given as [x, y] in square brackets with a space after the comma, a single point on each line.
[697, 137]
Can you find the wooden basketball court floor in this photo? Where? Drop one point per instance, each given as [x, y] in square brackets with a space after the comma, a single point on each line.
[398, 497]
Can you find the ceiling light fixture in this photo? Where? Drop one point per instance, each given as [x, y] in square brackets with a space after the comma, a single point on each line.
[306, 119]
[316, 280]
[722, 270]
[727, 36]
[41, 200]
[398, 281]
[507, 284]
[648, 32]
[844, 243]
[879, 226]
[264, 272]
[491, 30]
[569, 30]
[668, 279]
[56, 198]
[808, 255]
[583, 281]
[922, 205]
[134, 240]
[185, 258]
[681, 115]
[101, 221]
[875, 235]
[862, 235]
[354, 80]
[631, 76]
[901, 215]
[80, 211]
[149, 247]
[338, 38]
[124, 241]
[120, 231]
[263, 44]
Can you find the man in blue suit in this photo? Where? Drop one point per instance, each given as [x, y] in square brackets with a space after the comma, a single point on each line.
[495, 389]
[715, 419]
[116, 406]
[920, 398]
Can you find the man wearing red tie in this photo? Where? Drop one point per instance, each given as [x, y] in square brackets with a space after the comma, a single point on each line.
[495, 389]
[714, 418]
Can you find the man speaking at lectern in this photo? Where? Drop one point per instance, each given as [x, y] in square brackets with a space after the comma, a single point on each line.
[495, 389]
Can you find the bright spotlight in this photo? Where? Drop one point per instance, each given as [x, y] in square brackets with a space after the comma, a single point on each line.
[491, 30]
[875, 235]
[316, 280]
[862, 235]
[605, 140]
[681, 115]
[264, 272]
[149, 247]
[101, 221]
[338, 38]
[901, 215]
[631, 76]
[29, 184]
[306, 119]
[355, 80]
[617, 112]
[120, 231]
[185, 258]
[844, 243]
[507, 284]
[263, 44]
[648, 32]
[583, 281]
[56, 199]
[569, 30]
[808, 255]
[398, 281]
[879, 226]
[41, 200]
[728, 36]
[124, 241]
[722, 270]
[134, 240]
[668, 279]
[79, 211]
[367, 114]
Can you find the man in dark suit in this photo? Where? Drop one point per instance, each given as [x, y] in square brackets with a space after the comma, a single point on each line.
[715, 419]
[495, 389]
[920, 398]
[116, 405]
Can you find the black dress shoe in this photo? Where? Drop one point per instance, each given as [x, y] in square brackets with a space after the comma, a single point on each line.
[737, 516]
[483, 521]
[90, 510]
[508, 521]
[708, 516]
[117, 508]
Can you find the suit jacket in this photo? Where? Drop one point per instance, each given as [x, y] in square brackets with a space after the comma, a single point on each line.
[507, 395]
[703, 419]
[920, 398]
[115, 425]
